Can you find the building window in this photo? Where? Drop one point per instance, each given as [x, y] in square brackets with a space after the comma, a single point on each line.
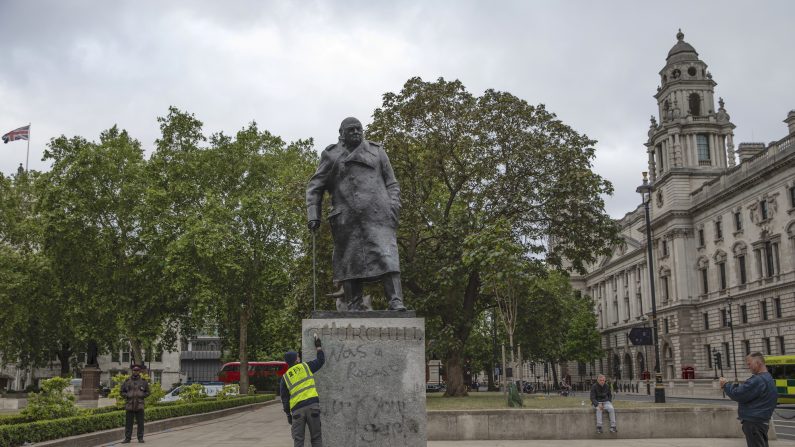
[724, 320]
[702, 143]
[738, 221]
[701, 237]
[763, 309]
[664, 281]
[125, 357]
[741, 267]
[777, 305]
[114, 356]
[665, 326]
[722, 272]
[744, 314]
[766, 344]
[781, 350]
[792, 196]
[771, 267]
[709, 355]
[157, 376]
[746, 347]
[726, 352]
[763, 209]
[664, 246]
[704, 281]
[694, 100]
[159, 356]
[718, 230]
[706, 320]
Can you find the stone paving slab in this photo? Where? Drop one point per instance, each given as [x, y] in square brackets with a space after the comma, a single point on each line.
[267, 427]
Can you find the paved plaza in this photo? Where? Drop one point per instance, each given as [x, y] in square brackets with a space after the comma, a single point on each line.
[267, 427]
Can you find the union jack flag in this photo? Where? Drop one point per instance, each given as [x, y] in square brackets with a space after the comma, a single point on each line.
[23, 133]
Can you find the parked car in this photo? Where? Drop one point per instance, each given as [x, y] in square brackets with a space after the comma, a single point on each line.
[434, 387]
[210, 388]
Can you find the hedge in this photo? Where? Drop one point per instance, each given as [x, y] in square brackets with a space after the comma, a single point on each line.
[19, 434]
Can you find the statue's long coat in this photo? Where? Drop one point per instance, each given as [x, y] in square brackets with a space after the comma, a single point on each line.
[365, 199]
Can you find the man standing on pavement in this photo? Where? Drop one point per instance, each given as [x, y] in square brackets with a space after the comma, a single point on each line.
[299, 396]
[601, 399]
[134, 390]
[756, 399]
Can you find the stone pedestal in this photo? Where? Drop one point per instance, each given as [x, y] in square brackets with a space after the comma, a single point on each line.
[372, 387]
[89, 389]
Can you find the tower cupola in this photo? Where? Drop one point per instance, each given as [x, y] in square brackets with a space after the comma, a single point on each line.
[692, 133]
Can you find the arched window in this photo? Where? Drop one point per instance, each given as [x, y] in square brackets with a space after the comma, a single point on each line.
[695, 104]
[703, 270]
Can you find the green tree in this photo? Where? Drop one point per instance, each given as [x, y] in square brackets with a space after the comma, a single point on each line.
[236, 243]
[92, 204]
[33, 323]
[466, 162]
[560, 324]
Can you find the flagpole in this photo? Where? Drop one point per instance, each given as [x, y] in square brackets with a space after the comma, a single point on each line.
[27, 155]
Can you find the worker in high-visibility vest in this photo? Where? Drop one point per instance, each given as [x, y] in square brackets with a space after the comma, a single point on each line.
[299, 396]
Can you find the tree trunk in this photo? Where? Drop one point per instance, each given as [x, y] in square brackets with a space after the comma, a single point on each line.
[554, 375]
[243, 350]
[462, 327]
[455, 375]
[64, 354]
[137, 351]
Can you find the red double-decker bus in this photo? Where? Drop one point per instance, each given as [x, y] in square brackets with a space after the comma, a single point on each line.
[263, 375]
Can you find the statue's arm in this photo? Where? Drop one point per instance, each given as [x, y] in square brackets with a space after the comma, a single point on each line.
[317, 186]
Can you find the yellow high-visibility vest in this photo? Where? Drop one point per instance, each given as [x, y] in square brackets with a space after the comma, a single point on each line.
[300, 383]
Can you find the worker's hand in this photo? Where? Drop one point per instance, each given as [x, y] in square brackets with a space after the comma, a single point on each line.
[317, 341]
[290, 419]
[601, 406]
[314, 225]
[723, 381]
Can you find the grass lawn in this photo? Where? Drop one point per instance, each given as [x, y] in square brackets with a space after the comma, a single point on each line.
[498, 401]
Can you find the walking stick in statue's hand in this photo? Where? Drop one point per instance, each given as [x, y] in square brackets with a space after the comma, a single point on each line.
[314, 273]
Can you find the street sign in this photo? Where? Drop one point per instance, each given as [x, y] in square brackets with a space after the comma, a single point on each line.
[640, 336]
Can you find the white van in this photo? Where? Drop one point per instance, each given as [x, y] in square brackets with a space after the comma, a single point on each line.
[211, 390]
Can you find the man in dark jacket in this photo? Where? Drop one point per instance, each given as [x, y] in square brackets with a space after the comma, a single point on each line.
[365, 199]
[299, 396]
[756, 399]
[601, 399]
[134, 390]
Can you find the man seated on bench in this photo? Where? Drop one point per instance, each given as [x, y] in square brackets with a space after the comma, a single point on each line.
[601, 399]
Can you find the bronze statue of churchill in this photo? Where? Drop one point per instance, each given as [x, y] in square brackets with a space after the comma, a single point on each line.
[365, 199]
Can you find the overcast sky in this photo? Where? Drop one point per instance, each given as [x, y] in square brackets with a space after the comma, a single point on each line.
[297, 68]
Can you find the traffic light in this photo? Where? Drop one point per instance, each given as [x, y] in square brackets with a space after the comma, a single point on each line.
[716, 358]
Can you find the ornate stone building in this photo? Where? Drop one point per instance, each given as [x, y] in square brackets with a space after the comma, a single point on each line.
[723, 234]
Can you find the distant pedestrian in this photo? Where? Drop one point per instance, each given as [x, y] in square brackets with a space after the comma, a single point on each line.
[134, 390]
[299, 396]
[756, 398]
[602, 399]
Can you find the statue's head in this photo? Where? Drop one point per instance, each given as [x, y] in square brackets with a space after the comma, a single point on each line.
[351, 132]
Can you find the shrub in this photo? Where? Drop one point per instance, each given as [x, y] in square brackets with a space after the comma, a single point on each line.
[228, 391]
[155, 390]
[38, 431]
[51, 402]
[192, 393]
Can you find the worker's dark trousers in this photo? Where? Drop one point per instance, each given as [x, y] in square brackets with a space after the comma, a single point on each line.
[755, 433]
[307, 416]
[128, 423]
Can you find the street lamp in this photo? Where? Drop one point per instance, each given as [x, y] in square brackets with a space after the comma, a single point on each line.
[645, 192]
[731, 326]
